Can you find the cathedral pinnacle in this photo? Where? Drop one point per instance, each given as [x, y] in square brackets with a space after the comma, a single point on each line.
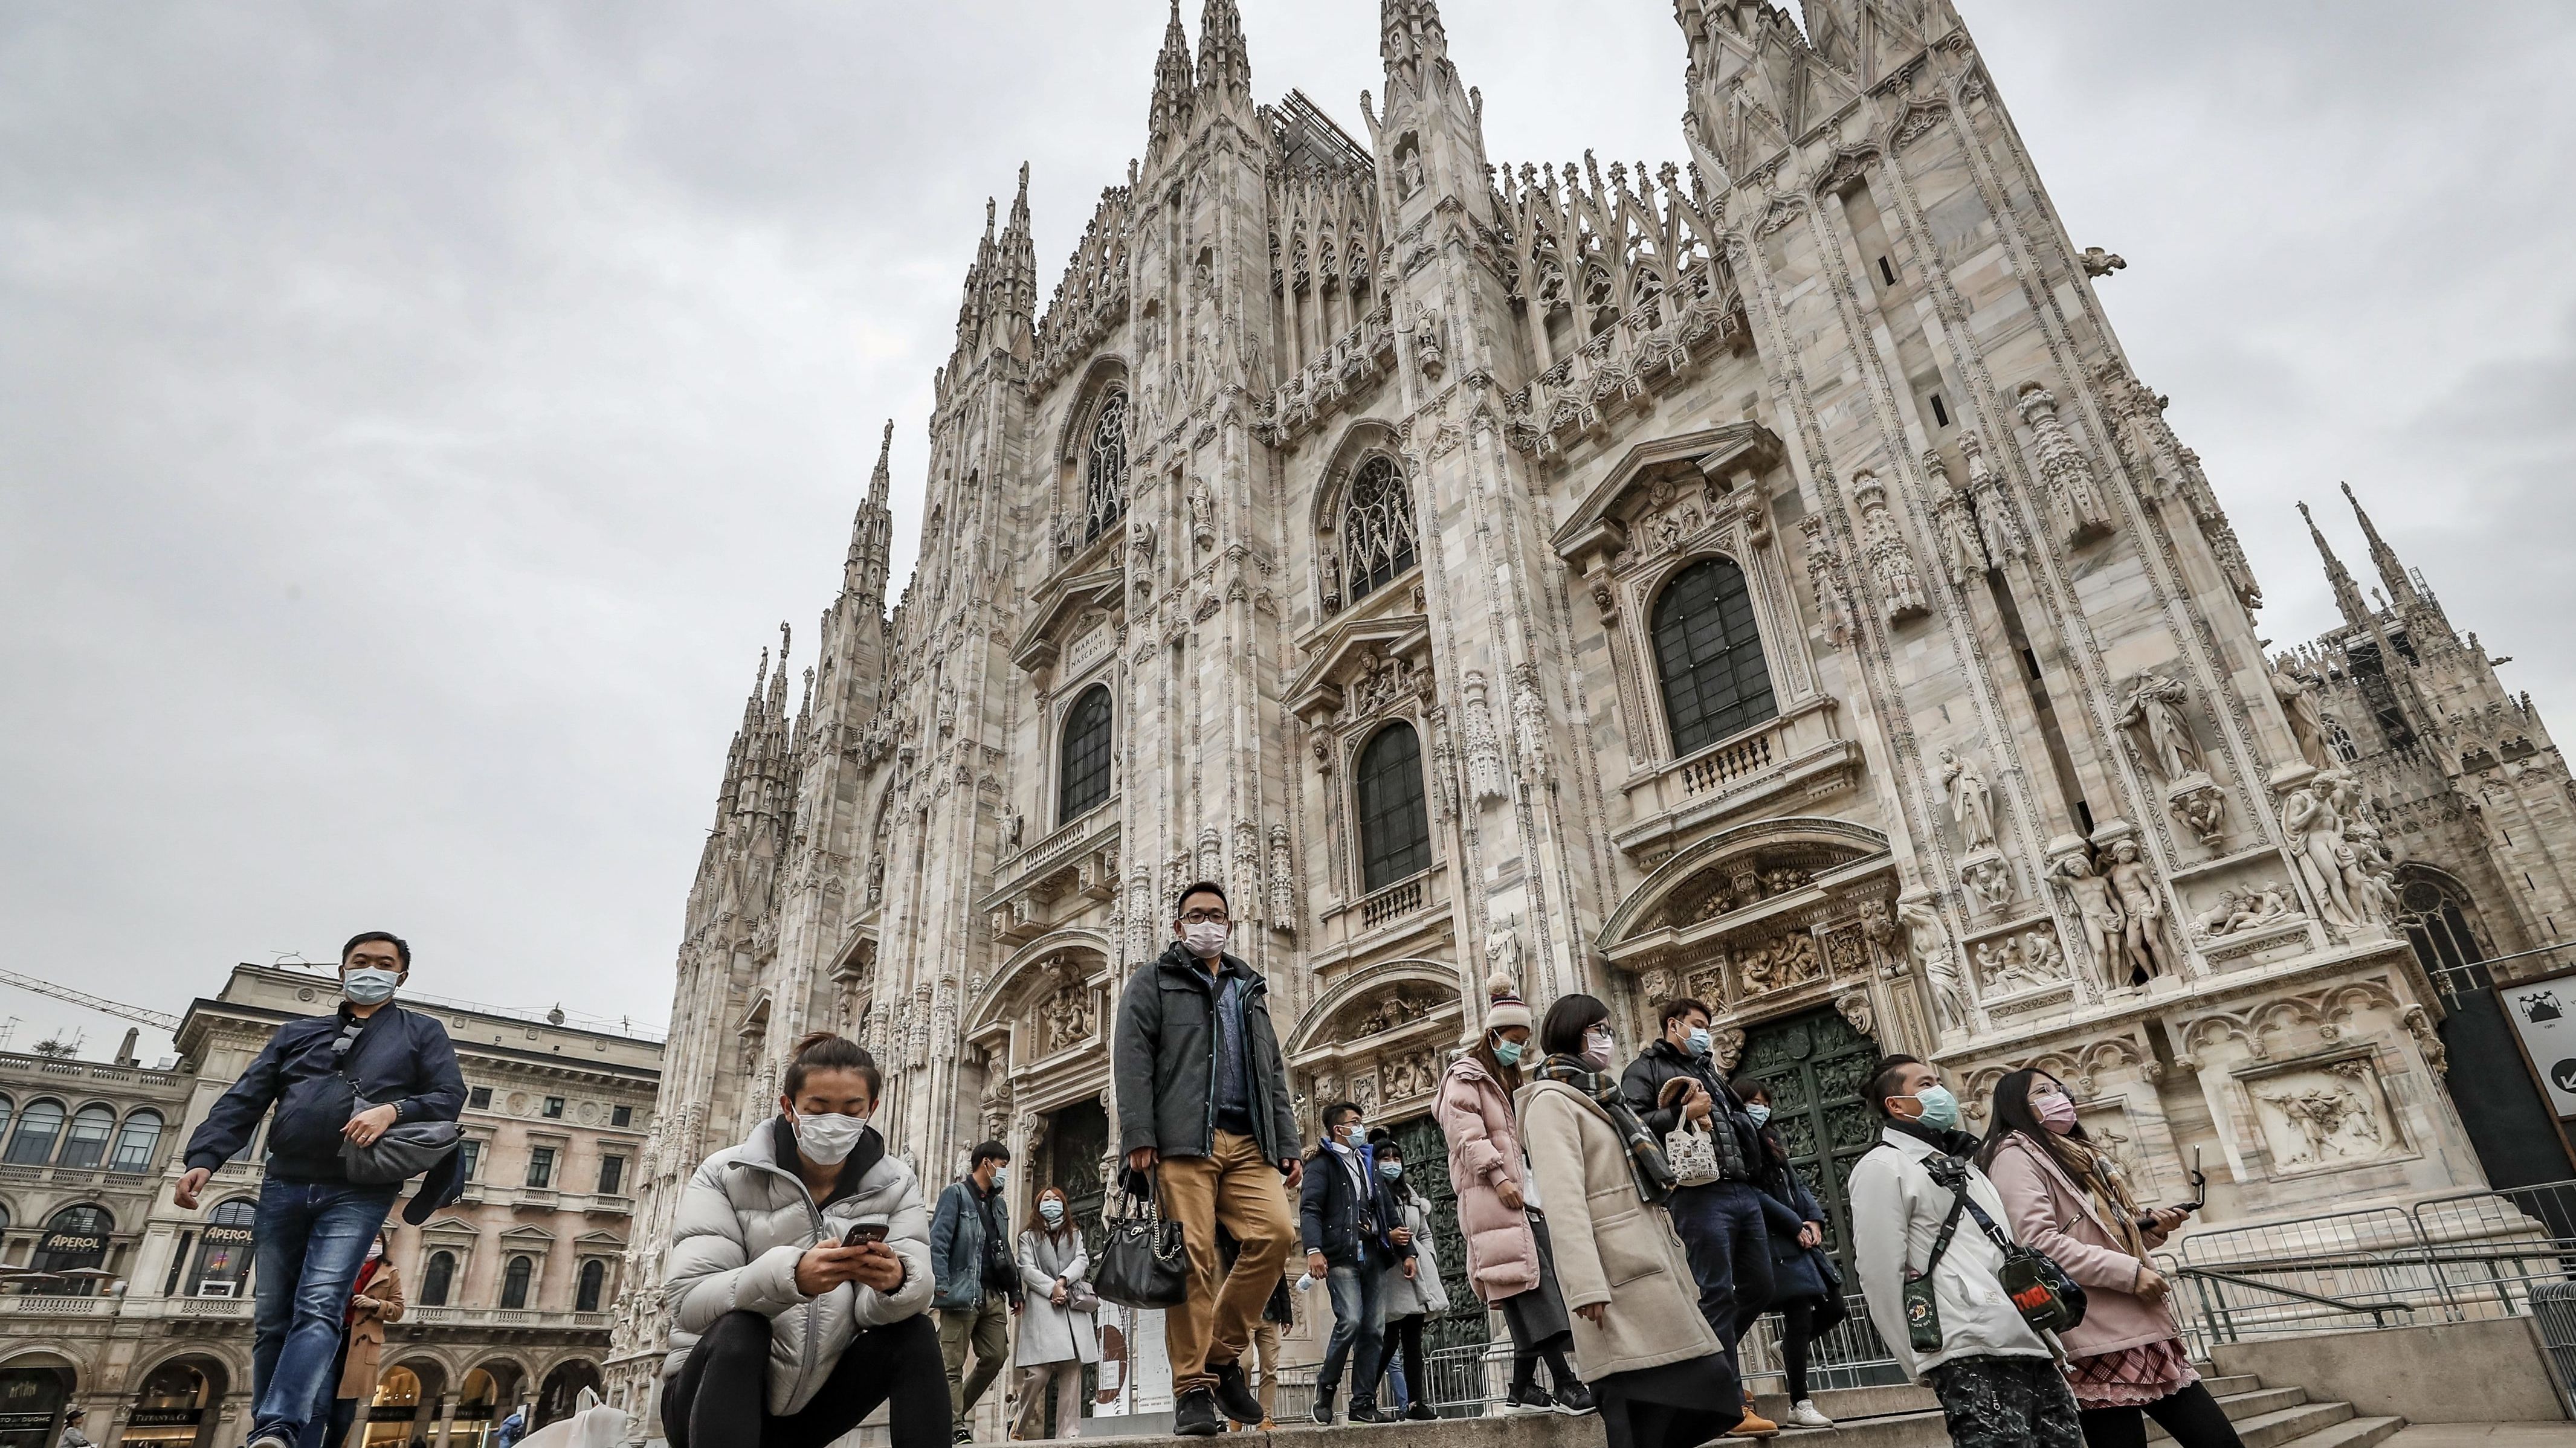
[2392, 573]
[1173, 84]
[1225, 58]
[881, 482]
[1410, 35]
[2347, 593]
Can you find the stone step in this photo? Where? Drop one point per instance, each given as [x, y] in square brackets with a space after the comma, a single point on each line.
[2229, 1387]
[2353, 1433]
[2242, 1406]
[2284, 1426]
[1845, 1405]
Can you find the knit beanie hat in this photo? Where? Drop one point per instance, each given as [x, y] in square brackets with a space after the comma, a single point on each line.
[1504, 1007]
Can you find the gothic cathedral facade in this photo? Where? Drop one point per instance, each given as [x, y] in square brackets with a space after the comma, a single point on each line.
[1760, 577]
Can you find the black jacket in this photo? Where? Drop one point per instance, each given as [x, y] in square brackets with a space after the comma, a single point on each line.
[1643, 1085]
[1349, 1229]
[1165, 1056]
[402, 1059]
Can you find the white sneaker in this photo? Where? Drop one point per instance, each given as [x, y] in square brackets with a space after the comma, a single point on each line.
[1805, 1414]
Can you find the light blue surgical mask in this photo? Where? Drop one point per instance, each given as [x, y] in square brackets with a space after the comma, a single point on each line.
[1390, 1169]
[1001, 1177]
[1699, 1040]
[370, 987]
[1052, 1210]
[1508, 1052]
[1940, 1108]
[1759, 1112]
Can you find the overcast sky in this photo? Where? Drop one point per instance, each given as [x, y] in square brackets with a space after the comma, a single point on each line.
[414, 419]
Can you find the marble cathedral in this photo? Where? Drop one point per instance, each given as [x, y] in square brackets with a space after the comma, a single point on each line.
[1757, 575]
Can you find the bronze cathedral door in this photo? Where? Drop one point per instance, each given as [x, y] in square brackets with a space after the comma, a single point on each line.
[1818, 1069]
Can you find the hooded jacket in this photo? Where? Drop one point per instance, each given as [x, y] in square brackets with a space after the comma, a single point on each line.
[1896, 1212]
[1475, 1114]
[1165, 1060]
[742, 1223]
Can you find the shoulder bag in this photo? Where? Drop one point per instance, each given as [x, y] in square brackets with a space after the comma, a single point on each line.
[406, 1150]
[1145, 1263]
[2039, 1289]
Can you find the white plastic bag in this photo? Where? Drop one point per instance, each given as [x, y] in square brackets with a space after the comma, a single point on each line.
[593, 1424]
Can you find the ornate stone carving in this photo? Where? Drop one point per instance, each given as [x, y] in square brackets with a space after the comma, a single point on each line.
[1855, 1009]
[2003, 969]
[1963, 548]
[2427, 1040]
[1891, 562]
[1726, 1046]
[1929, 941]
[1485, 781]
[1383, 681]
[2075, 490]
[2324, 1116]
[1790, 959]
[2153, 716]
[1203, 516]
[1529, 724]
[1972, 803]
[2313, 826]
[2150, 942]
[1503, 949]
[1825, 579]
[2243, 910]
[1283, 881]
[2201, 807]
[2098, 263]
[1989, 881]
[2098, 907]
[2299, 705]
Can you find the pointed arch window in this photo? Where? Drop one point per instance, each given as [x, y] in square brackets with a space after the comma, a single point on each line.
[2339, 739]
[1084, 764]
[1395, 823]
[1710, 656]
[1104, 472]
[1377, 528]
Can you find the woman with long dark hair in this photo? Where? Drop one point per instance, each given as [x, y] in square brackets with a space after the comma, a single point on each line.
[1413, 1291]
[1056, 1332]
[1806, 1287]
[2127, 1361]
[1655, 1366]
[1498, 1212]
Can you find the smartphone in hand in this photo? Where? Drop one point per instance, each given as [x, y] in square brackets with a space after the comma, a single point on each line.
[862, 1234]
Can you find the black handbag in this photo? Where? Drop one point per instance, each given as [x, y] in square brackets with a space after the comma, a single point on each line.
[404, 1151]
[1145, 1263]
[2039, 1289]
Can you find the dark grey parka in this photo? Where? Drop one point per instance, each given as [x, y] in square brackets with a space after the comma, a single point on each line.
[1164, 1060]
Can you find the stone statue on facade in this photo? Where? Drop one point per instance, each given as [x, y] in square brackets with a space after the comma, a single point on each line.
[2150, 944]
[1971, 803]
[2307, 722]
[1930, 941]
[2152, 713]
[2314, 832]
[2099, 909]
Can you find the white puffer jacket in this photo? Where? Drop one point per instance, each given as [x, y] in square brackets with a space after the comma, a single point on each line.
[741, 1226]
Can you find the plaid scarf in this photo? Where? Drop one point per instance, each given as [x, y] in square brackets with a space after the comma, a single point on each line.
[1654, 1177]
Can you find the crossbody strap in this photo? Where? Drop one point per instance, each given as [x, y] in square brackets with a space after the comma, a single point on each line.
[1993, 1232]
[1949, 1229]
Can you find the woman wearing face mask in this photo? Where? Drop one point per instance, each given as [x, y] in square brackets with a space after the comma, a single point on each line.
[1505, 1233]
[2126, 1360]
[799, 1271]
[1413, 1290]
[1806, 1288]
[1057, 1335]
[1655, 1365]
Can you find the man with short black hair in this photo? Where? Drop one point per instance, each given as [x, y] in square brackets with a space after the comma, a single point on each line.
[1203, 1106]
[1353, 1235]
[335, 1081]
[978, 1287]
[1676, 1080]
[1997, 1377]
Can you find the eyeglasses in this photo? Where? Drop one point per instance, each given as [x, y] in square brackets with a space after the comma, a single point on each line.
[1203, 917]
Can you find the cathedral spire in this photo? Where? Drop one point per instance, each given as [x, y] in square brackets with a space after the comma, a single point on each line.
[1410, 36]
[872, 533]
[1225, 58]
[2356, 611]
[1173, 84]
[881, 482]
[2392, 573]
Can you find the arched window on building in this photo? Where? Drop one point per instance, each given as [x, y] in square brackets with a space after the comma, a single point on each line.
[2339, 739]
[438, 1279]
[514, 1281]
[224, 1250]
[1395, 824]
[2438, 920]
[138, 1144]
[8, 1110]
[86, 1146]
[75, 1241]
[1104, 468]
[1377, 528]
[594, 1279]
[1710, 655]
[1083, 767]
[39, 1126]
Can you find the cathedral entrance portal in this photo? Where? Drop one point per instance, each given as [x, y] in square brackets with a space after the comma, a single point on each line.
[1426, 1165]
[1818, 1069]
[1076, 1142]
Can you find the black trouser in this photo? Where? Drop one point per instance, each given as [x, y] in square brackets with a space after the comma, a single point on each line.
[720, 1396]
[1722, 1231]
[1404, 1334]
[2192, 1416]
[1797, 1329]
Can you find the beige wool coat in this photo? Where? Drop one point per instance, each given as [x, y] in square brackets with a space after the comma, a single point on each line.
[381, 1303]
[1611, 1246]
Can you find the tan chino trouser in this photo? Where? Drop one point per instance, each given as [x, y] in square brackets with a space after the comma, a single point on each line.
[1237, 1190]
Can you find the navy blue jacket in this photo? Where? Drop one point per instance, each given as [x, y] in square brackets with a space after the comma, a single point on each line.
[1330, 1210]
[402, 1059]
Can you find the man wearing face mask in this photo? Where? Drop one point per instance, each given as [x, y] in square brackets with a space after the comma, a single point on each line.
[350, 1077]
[979, 1288]
[1722, 1225]
[1354, 1234]
[1955, 1330]
[1204, 1117]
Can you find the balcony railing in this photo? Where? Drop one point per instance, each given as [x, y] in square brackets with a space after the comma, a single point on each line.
[51, 1306]
[1393, 903]
[505, 1317]
[1796, 751]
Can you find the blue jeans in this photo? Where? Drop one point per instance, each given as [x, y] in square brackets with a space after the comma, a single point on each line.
[313, 1238]
[1359, 1316]
[1722, 1230]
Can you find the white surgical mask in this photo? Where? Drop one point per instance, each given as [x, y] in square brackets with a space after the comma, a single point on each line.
[370, 987]
[829, 1140]
[1206, 939]
[375, 1251]
[1390, 1169]
[1759, 1112]
[1001, 1177]
[1052, 1210]
[1699, 1040]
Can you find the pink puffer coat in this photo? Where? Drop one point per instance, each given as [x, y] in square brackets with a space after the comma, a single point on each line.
[1475, 1114]
[2050, 1212]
